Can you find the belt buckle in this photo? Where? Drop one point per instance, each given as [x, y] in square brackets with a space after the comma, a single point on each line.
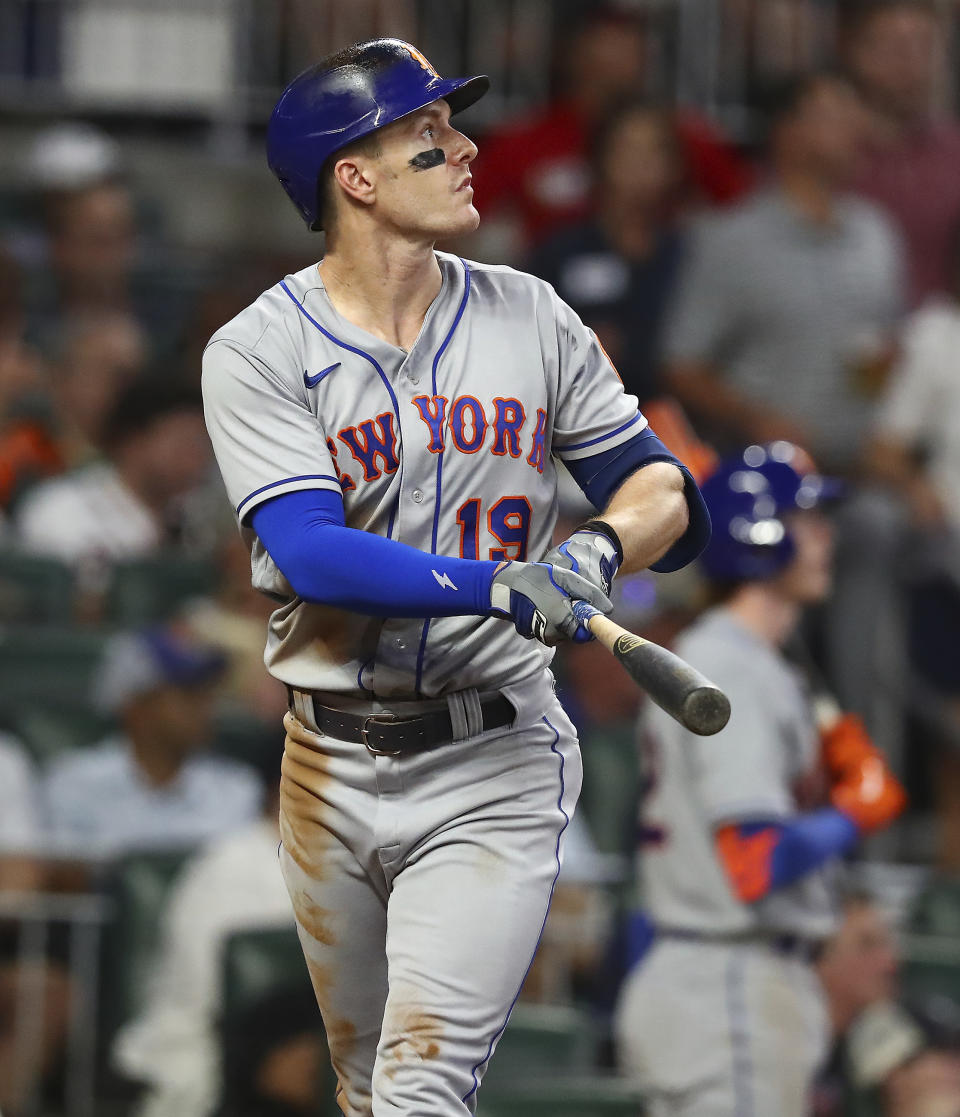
[380, 719]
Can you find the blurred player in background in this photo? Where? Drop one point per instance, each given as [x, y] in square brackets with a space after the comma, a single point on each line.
[725, 1014]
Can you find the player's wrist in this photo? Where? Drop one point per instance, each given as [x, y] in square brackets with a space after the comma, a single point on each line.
[600, 527]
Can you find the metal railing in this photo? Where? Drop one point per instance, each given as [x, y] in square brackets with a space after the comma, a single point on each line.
[225, 60]
[85, 917]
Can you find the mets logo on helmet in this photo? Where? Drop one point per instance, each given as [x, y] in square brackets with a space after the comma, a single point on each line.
[415, 54]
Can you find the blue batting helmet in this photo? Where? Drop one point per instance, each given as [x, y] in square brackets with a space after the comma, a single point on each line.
[748, 497]
[347, 96]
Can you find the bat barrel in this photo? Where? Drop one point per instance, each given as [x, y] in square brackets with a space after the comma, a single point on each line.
[705, 710]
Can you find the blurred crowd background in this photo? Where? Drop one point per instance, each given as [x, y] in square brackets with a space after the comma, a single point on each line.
[756, 206]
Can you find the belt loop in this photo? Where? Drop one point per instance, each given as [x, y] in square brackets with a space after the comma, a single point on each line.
[458, 716]
[471, 707]
[303, 708]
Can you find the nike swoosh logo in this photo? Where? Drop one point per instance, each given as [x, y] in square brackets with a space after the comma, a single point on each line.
[313, 381]
[443, 580]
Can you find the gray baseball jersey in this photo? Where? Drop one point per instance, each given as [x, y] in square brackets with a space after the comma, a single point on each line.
[747, 772]
[447, 448]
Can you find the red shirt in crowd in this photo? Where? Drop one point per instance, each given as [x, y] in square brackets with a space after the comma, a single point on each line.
[538, 167]
[917, 181]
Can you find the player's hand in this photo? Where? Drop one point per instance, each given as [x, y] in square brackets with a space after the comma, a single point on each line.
[590, 554]
[539, 599]
[863, 788]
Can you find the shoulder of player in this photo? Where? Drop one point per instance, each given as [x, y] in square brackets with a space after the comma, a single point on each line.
[267, 321]
[501, 278]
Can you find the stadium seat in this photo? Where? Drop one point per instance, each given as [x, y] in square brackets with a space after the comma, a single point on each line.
[48, 729]
[611, 787]
[936, 910]
[543, 1040]
[147, 590]
[258, 964]
[48, 664]
[35, 589]
[590, 1096]
[139, 885]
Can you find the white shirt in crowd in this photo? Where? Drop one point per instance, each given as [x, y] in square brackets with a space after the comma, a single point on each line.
[922, 408]
[100, 805]
[89, 519]
[19, 815]
[234, 884]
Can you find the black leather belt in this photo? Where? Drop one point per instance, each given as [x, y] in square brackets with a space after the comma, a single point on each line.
[790, 946]
[390, 734]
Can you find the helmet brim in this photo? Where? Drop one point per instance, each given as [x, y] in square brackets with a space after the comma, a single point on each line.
[461, 93]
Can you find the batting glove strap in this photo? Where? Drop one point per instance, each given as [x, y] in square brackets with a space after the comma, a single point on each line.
[601, 527]
[539, 599]
[589, 553]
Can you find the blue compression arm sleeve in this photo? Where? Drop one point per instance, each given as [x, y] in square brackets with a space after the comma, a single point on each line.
[599, 477]
[804, 843]
[331, 564]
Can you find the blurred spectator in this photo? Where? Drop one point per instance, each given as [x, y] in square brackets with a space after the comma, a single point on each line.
[21, 843]
[233, 621]
[618, 269]
[150, 786]
[20, 826]
[133, 503]
[879, 1046]
[895, 50]
[785, 313]
[283, 1065]
[535, 169]
[28, 451]
[90, 255]
[101, 354]
[234, 884]
[915, 452]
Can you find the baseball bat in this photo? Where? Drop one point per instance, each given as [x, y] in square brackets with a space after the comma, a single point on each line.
[675, 686]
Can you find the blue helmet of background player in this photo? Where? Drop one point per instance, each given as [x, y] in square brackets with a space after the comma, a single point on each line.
[749, 496]
[345, 97]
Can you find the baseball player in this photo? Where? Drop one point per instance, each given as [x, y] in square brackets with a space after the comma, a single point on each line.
[741, 832]
[388, 423]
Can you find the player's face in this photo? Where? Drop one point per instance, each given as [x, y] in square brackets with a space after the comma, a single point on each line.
[808, 577]
[423, 176]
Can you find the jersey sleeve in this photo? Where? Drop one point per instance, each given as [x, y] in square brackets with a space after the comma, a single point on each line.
[594, 413]
[266, 439]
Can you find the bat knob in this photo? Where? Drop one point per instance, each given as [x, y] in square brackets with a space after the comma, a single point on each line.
[706, 710]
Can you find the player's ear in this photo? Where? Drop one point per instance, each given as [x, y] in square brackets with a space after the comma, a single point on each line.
[351, 175]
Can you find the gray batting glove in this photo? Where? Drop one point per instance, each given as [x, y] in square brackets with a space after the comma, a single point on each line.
[539, 599]
[591, 554]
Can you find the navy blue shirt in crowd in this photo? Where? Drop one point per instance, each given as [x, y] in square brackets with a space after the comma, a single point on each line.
[618, 298]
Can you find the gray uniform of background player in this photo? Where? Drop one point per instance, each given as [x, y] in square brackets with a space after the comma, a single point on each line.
[479, 823]
[725, 1019]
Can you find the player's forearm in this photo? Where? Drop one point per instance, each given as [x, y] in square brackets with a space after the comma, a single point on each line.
[649, 513]
[759, 858]
[327, 563]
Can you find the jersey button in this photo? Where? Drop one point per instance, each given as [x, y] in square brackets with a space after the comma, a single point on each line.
[417, 496]
[414, 379]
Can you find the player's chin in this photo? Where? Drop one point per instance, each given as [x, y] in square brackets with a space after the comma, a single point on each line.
[464, 218]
